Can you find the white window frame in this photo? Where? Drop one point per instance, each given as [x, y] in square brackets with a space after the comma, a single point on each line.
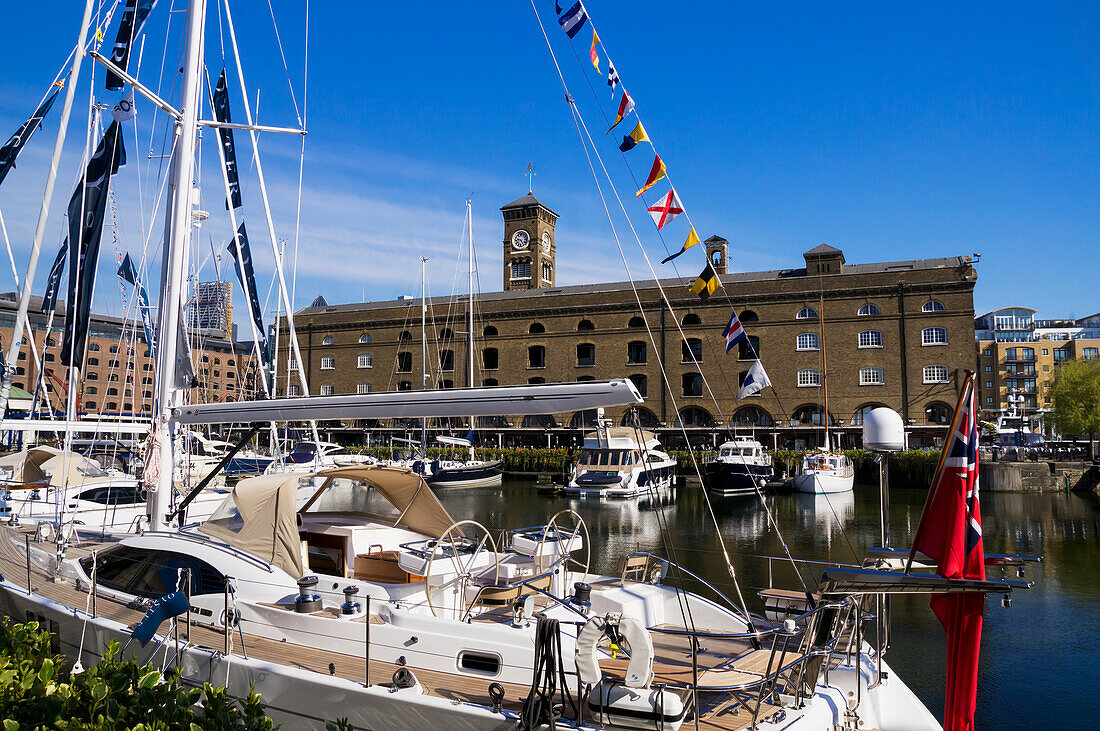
[869, 309]
[365, 360]
[807, 341]
[809, 378]
[872, 376]
[804, 314]
[517, 268]
[933, 306]
[929, 336]
[366, 338]
[291, 365]
[327, 389]
[936, 374]
[362, 388]
[328, 363]
[328, 340]
[294, 390]
[872, 336]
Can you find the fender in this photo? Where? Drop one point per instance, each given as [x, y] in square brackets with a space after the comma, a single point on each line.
[639, 670]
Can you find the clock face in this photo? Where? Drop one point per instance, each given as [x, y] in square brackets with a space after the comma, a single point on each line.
[546, 242]
[521, 239]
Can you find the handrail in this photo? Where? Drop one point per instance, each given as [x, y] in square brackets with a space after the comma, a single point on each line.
[740, 610]
[744, 635]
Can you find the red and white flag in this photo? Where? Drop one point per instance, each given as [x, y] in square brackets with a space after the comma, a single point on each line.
[666, 209]
[950, 532]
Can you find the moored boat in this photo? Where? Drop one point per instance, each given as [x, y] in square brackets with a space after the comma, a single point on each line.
[741, 468]
[620, 462]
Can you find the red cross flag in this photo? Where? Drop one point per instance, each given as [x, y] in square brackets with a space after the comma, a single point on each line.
[666, 209]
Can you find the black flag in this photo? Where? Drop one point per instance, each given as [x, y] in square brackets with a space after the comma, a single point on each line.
[249, 284]
[13, 146]
[53, 282]
[133, 18]
[85, 231]
[221, 113]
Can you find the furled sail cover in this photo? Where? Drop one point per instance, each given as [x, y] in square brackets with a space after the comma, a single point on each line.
[41, 465]
[260, 518]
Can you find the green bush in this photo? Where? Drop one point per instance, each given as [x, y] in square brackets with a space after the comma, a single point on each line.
[39, 690]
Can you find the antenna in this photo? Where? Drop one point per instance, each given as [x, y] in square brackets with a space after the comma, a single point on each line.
[530, 174]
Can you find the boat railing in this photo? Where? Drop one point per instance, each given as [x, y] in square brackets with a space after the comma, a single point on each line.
[630, 567]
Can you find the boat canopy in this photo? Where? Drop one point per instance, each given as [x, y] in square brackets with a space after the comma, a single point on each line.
[37, 466]
[260, 516]
[620, 437]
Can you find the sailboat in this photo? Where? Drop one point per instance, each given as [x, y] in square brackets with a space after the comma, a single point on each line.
[825, 470]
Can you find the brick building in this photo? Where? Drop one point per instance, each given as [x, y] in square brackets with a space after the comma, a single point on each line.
[117, 375]
[897, 334]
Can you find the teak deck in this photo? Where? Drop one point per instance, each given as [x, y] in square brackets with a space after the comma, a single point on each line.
[720, 711]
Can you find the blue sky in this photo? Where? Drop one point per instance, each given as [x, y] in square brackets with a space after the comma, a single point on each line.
[892, 131]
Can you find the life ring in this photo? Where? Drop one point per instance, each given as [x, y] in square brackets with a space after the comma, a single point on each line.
[639, 670]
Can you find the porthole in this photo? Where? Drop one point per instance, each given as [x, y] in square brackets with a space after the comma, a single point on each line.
[482, 663]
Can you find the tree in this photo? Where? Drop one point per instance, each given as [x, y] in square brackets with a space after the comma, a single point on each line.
[1075, 394]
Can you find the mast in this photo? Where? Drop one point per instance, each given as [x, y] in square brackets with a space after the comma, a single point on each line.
[177, 232]
[43, 215]
[824, 364]
[470, 308]
[424, 347]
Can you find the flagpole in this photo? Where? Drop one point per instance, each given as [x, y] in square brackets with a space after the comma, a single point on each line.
[43, 214]
[968, 384]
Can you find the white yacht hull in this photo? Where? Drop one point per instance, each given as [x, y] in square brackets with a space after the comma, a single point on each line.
[820, 483]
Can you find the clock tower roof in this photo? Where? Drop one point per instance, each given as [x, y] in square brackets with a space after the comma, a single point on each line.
[526, 202]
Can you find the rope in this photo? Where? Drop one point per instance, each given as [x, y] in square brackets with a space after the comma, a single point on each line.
[539, 708]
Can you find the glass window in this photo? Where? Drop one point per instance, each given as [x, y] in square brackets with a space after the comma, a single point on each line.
[691, 319]
[365, 360]
[871, 377]
[936, 374]
[806, 313]
[365, 338]
[489, 331]
[869, 309]
[585, 325]
[586, 354]
[693, 384]
[932, 306]
[293, 390]
[536, 357]
[404, 362]
[809, 377]
[327, 389]
[636, 352]
[691, 350]
[637, 323]
[807, 341]
[536, 327]
[987, 352]
[749, 348]
[490, 359]
[641, 383]
[446, 360]
[362, 388]
[989, 369]
[933, 336]
[328, 340]
[870, 339]
[938, 413]
[328, 363]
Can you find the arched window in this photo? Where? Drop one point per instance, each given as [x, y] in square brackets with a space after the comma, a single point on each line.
[539, 421]
[932, 306]
[493, 422]
[91, 376]
[405, 336]
[536, 356]
[586, 354]
[490, 359]
[91, 390]
[636, 322]
[870, 339]
[869, 309]
[365, 360]
[646, 418]
[691, 350]
[640, 382]
[489, 331]
[446, 360]
[751, 416]
[111, 406]
[693, 384]
[91, 361]
[328, 340]
[936, 374]
[749, 348]
[582, 419]
[93, 347]
[446, 334]
[693, 416]
[810, 414]
[404, 362]
[938, 412]
[585, 325]
[871, 376]
[365, 338]
[809, 378]
[807, 341]
[748, 316]
[806, 313]
[691, 319]
[547, 272]
[328, 363]
[89, 405]
[636, 352]
[114, 349]
[933, 336]
[362, 388]
[112, 392]
[490, 382]
[536, 327]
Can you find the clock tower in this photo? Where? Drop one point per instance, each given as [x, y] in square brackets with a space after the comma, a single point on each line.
[529, 244]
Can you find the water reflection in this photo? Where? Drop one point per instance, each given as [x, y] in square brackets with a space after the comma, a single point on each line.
[1056, 622]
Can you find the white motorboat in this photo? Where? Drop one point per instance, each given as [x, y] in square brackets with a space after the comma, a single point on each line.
[620, 462]
[310, 456]
[741, 468]
[825, 472]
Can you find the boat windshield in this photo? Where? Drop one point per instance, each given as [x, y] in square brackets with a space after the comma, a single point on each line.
[606, 457]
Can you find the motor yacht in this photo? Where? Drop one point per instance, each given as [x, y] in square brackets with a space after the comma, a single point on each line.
[620, 462]
[741, 468]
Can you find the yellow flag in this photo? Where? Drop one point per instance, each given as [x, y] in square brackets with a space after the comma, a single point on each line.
[592, 53]
[692, 239]
[655, 173]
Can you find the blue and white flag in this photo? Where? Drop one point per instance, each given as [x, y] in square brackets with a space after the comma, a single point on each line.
[573, 20]
[756, 380]
[734, 333]
[128, 273]
[612, 77]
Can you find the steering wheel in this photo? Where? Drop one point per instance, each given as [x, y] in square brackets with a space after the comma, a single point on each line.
[578, 525]
[454, 539]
